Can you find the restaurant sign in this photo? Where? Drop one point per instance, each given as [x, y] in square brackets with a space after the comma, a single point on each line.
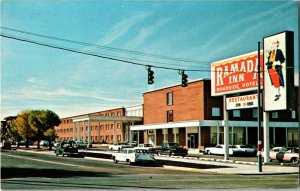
[242, 102]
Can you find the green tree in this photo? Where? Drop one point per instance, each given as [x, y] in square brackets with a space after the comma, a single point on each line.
[51, 136]
[14, 134]
[23, 127]
[41, 121]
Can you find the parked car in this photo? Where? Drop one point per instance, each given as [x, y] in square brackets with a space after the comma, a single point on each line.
[80, 145]
[131, 155]
[144, 146]
[44, 143]
[119, 146]
[56, 143]
[220, 150]
[245, 150]
[171, 149]
[273, 153]
[66, 148]
[5, 145]
[281, 154]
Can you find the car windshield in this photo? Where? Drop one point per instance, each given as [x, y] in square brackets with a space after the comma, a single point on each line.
[245, 146]
[173, 144]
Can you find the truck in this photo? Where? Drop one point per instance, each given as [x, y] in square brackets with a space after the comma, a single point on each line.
[171, 149]
[131, 155]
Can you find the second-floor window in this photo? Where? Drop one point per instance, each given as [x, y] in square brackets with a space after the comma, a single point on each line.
[170, 117]
[216, 112]
[275, 115]
[170, 98]
[254, 113]
[236, 113]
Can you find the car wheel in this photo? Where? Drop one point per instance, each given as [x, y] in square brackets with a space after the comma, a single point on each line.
[56, 154]
[294, 160]
[208, 152]
[116, 161]
[129, 162]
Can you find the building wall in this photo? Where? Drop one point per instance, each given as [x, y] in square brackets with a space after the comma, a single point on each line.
[100, 131]
[188, 104]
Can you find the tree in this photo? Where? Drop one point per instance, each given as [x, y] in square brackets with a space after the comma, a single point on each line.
[51, 135]
[14, 134]
[23, 127]
[42, 121]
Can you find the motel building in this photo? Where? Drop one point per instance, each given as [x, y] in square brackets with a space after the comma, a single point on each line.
[109, 126]
[193, 118]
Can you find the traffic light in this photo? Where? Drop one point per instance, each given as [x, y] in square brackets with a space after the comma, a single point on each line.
[184, 80]
[150, 76]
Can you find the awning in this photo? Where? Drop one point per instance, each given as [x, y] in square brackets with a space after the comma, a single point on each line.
[209, 123]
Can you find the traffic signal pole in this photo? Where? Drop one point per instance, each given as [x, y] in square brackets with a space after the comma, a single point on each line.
[259, 142]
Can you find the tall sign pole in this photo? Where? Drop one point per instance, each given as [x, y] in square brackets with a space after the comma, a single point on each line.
[259, 112]
[298, 90]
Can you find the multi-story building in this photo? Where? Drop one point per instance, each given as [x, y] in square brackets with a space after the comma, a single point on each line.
[193, 118]
[100, 127]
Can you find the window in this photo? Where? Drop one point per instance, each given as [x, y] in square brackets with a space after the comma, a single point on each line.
[254, 113]
[111, 126]
[216, 112]
[101, 127]
[119, 126]
[96, 127]
[119, 113]
[112, 114]
[293, 114]
[236, 113]
[170, 98]
[112, 137]
[119, 137]
[92, 128]
[107, 114]
[275, 115]
[170, 116]
[107, 127]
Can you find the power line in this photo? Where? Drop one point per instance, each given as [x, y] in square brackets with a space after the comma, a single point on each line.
[105, 57]
[108, 48]
[87, 53]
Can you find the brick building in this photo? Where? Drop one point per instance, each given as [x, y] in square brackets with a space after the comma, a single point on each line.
[193, 118]
[100, 127]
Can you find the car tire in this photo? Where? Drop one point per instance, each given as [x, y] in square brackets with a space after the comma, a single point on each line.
[294, 160]
[129, 162]
[56, 154]
[208, 152]
[116, 161]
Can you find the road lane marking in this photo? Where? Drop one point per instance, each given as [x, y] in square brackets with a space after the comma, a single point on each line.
[46, 161]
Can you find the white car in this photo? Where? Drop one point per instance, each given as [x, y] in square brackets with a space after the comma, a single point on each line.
[119, 146]
[145, 146]
[131, 155]
[219, 150]
[245, 150]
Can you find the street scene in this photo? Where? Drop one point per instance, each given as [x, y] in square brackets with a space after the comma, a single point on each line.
[129, 95]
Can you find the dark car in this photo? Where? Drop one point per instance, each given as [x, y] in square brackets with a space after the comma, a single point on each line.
[80, 145]
[67, 148]
[172, 149]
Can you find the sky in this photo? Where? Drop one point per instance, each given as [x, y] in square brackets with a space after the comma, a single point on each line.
[175, 34]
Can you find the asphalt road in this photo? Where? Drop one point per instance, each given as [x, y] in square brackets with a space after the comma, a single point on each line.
[23, 170]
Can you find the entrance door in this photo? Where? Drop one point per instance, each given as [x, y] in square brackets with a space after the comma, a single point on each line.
[192, 141]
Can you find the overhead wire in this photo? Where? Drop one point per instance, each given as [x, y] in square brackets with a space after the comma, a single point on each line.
[109, 57]
[109, 48]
